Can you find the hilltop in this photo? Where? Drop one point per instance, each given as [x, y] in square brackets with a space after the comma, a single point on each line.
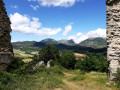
[94, 42]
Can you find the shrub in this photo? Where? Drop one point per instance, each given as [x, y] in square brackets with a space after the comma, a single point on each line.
[93, 63]
[16, 64]
[68, 60]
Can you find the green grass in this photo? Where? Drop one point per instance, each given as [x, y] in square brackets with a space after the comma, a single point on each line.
[77, 75]
[45, 78]
[53, 78]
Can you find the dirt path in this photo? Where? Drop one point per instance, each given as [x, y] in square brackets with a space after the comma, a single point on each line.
[68, 84]
[81, 85]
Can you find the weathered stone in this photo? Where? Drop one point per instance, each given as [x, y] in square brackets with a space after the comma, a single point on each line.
[48, 63]
[41, 63]
[113, 36]
[6, 50]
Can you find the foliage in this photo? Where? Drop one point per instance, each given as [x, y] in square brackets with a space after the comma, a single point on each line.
[43, 79]
[93, 63]
[16, 64]
[19, 67]
[48, 53]
[68, 60]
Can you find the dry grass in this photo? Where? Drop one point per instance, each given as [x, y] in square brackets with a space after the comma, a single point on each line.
[78, 55]
[27, 60]
[92, 81]
[22, 54]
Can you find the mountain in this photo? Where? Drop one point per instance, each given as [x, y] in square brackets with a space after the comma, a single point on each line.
[23, 44]
[52, 41]
[94, 43]
[49, 41]
[63, 41]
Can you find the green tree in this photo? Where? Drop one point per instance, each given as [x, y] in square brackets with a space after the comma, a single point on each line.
[48, 53]
[68, 60]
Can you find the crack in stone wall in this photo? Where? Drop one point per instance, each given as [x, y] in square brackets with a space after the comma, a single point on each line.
[6, 50]
[113, 36]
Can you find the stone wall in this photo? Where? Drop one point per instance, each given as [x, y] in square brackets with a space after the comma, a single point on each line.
[113, 36]
[6, 51]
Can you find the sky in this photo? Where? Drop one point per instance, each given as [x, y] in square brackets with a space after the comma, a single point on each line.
[57, 19]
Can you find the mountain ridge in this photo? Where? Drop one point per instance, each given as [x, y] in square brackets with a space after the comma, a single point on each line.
[36, 46]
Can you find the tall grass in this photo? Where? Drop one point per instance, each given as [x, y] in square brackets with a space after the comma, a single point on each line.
[44, 78]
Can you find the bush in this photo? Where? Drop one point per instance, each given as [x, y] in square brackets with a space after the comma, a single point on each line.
[68, 60]
[93, 63]
[19, 67]
[16, 64]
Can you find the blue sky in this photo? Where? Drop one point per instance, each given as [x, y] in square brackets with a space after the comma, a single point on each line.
[57, 19]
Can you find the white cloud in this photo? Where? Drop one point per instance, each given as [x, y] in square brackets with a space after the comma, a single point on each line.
[79, 34]
[14, 6]
[71, 37]
[67, 30]
[97, 33]
[92, 34]
[34, 7]
[63, 3]
[23, 24]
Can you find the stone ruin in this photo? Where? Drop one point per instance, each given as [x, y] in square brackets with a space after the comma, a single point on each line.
[6, 50]
[113, 36]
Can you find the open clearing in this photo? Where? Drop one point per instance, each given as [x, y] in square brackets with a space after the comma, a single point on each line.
[92, 81]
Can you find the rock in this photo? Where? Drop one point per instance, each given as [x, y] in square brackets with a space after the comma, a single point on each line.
[6, 50]
[113, 36]
[48, 63]
[41, 63]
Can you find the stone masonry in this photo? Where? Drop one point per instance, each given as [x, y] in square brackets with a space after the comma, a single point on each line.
[6, 51]
[113, 36]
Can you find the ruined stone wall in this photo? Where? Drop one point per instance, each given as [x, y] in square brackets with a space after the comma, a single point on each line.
[113, 36]
[6, 51]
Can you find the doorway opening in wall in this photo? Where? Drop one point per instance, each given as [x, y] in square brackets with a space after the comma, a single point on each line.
[58, 44]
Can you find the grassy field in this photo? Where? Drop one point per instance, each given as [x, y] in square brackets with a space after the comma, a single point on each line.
[22, 54]
[26, 57]
[56, 78]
